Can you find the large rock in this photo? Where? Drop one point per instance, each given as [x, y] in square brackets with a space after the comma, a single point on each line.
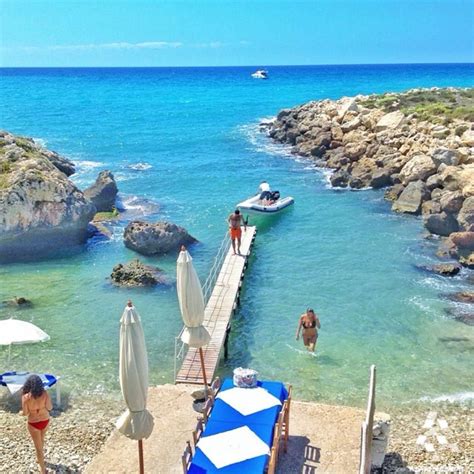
[103, 192]
[136, 273]
[380, 178]
[443, 269]
[466, 215]
[155, 239]
[467, 138]
[446, 156]
[463, 240]
[41, 211]
[451, 201]
[411, 198]
[340, 179]
[441, 223]
[420, 167]
[390, 121]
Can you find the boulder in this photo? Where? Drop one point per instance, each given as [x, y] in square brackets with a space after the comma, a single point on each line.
[351, 125]
[420, 167]
[466, 215]
[380, 178]
[467, 261]
[451, 201]
[103, 192]
[394, 192]
[390, 121]
[440, 131]
[340, 179]
[445, 155]
[463, 240]
[441, 223]
[41, 210]
[443, 269]
[345, 105]
[136, 273]
[354, 150]
[155, 239]
[411, 198]
[467, 138]
[462, 297]
[433, 182]
[430, 207]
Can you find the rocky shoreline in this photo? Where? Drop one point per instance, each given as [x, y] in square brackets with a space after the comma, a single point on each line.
[79, 431]
[417, 144]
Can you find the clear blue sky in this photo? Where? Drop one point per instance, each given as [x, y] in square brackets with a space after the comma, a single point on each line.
[219, 33]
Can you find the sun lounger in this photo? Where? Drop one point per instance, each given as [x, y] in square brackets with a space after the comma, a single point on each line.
[15, 380]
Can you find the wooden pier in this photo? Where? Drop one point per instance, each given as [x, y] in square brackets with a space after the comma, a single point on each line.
[218, 313]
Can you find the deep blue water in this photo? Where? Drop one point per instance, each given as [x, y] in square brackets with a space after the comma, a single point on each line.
[194, 133]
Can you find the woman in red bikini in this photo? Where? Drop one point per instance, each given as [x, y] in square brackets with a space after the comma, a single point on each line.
[36, 404]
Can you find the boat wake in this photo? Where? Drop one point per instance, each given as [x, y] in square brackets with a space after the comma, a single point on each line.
[142, 166]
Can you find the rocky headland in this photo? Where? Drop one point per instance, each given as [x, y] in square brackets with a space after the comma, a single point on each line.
[418, 144]
[40, 208]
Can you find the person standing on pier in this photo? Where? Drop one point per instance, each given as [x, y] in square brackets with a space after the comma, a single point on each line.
[235, 221]
[310, 324]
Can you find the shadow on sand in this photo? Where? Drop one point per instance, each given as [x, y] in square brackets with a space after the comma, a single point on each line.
[301, 456]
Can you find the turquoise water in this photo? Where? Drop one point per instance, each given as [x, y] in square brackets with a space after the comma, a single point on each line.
[195, 134]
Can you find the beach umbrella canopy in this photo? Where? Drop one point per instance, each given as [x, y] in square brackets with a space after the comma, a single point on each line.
[15, 331]
[191, 302]
[137, 422]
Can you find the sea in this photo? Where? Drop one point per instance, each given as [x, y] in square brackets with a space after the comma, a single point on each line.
[184, 145]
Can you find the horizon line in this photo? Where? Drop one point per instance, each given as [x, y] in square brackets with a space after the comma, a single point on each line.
[240, 66]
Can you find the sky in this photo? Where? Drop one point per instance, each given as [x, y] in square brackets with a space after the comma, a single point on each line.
[107, 33]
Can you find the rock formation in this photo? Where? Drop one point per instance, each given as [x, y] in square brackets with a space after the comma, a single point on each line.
[103, 192]
[136, 273]
[41, 210]
[155, 239]
[418, 142]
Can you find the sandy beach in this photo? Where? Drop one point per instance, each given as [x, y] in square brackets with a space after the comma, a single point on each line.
[82, 437]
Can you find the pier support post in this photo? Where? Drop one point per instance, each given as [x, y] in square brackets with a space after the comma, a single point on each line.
[226, 342]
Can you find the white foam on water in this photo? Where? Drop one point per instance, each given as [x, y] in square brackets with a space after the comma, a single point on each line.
[137, 205]
[40, 141]
[303, 352]
[142, 166]
[261, 142]
[87, 164]
[461, 397]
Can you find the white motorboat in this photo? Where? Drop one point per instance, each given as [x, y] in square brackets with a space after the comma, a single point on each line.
[260, 74]
[255, 205]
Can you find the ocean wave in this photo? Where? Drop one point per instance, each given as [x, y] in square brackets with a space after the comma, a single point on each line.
[141, 166]
[461, 397]
[40, 141]
[261, 142]
[87, 164]
[425, 305]
[136, 206]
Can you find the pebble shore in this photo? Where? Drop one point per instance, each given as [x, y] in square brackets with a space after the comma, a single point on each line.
[78, 432]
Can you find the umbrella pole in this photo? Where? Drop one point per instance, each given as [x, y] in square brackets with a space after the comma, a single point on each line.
[203, 368]
[140, 456]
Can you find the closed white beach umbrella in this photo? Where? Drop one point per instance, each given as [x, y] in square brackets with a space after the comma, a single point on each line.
[191, 304]
[15, 331]
[137, 422]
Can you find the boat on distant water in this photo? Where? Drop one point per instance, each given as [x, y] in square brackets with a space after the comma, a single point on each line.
[271, 203]
[260, 74]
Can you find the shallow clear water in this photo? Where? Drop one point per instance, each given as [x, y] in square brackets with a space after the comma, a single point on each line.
[195, 133]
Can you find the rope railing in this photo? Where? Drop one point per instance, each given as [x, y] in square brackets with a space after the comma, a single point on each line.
[207, 291]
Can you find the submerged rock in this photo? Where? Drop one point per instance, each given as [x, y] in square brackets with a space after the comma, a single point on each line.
[443, 269]
[103, 192]
[155, 239]
[41, 211]
[136, 273]
[462, 297]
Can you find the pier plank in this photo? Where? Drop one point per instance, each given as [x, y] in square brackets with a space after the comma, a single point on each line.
[218, 313]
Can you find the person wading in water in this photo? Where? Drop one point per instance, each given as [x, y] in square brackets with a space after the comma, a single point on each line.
[310, 324]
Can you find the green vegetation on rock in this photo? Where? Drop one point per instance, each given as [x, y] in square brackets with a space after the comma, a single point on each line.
[436, 106]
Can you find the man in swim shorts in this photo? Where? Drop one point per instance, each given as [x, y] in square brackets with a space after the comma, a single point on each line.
[235, 221]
